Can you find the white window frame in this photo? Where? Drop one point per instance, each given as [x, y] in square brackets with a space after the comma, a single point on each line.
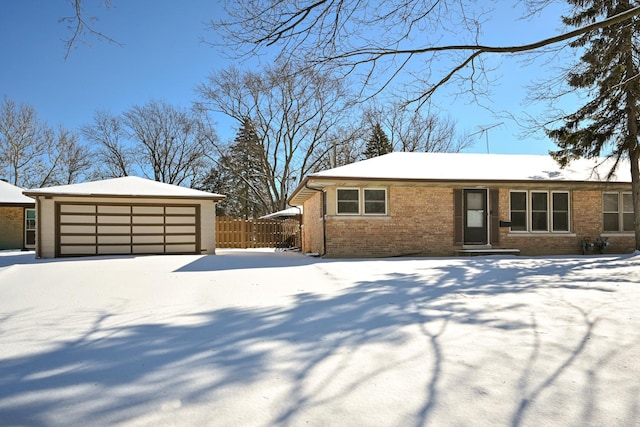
[361, 201]
[364, 192]
[526, 211]
[552, 210]
[620, 212]
[338, 201]
[549, 212]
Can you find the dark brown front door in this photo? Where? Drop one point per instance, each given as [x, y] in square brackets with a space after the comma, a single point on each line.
[475, 217]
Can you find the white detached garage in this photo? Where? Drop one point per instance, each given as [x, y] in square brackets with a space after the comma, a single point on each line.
[128, 215]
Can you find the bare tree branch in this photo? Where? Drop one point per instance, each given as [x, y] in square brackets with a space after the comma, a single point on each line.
[80, 23]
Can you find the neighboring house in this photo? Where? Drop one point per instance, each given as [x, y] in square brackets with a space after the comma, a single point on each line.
[444, 204]
[126, 215]
[17, 218]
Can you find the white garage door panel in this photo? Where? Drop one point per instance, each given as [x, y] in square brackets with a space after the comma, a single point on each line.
[90, 229]
[77, 250]
[77, 240]
[149, 249]
[114, 250]
[148, 239]
[102, 209]
[110, 240]
[78, 229]
[77, 219]
[70, 208]
[148, 219]
[113, 219]
[148, 229]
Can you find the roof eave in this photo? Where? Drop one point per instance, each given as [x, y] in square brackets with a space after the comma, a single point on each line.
[214, 197]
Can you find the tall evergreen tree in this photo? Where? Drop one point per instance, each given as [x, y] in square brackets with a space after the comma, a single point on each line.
[243, 163]
[609, 69]
[378, 143]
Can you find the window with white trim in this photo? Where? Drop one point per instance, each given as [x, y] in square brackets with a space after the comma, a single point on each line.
[617, 212]
[539, 211]
[375, 201]
[366, 201]
[348, 201]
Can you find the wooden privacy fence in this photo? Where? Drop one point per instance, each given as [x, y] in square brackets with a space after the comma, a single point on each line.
[257, 233]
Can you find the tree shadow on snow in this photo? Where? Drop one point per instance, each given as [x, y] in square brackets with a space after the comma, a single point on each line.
[151, 362]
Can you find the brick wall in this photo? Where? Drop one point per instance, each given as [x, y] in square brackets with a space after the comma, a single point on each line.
[420, 222]
[11, 227]
[312, 228]
[586, 221]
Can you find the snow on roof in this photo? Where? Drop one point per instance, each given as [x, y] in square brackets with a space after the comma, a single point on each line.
[12, 195]
[481, 167]
[126, 186]
[289, 212]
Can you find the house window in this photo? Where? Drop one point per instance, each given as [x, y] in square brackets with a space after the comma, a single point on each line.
[560, 211]
[617, 212]
[348, 201]
[368, 201]
[539, 211]
[518, 211]
[375, 201]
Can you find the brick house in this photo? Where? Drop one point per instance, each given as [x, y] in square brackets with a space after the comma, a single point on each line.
[17, 218]
[442, 204]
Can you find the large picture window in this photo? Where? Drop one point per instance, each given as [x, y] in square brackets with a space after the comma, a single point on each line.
[539, 211]
[617, 212]
[368, 201]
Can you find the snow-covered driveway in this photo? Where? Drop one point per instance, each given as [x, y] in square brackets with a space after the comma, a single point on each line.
[263, 338]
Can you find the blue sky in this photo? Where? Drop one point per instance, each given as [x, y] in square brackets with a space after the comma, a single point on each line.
[163, 57]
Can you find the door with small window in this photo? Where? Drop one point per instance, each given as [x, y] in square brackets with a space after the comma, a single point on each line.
[29, 228]
[475, 217]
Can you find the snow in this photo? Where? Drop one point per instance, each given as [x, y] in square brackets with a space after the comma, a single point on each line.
[12, 195]
[266, 338]
[124, 186]
[478, 167]
[289, 212]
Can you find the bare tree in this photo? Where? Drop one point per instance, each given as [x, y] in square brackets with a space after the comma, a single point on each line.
[113, 153]
[167, 142]
[82, 24]
[292, 111]
[23, 143]
[434, 42]
[68, 160]
[417, 130]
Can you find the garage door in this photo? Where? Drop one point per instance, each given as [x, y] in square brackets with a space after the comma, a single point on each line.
[102, 229]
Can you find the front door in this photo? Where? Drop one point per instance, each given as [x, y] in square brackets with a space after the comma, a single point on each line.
[475, 217]
[29, 228]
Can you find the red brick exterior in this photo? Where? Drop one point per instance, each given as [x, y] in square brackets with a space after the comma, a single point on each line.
[420, 221]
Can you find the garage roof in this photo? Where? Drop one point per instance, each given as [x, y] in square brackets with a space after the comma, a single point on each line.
[12, 195]
[128, 186]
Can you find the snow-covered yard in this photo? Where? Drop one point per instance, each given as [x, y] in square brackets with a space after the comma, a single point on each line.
[263, 338]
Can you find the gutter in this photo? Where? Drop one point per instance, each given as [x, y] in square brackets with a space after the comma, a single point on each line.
[324, 223]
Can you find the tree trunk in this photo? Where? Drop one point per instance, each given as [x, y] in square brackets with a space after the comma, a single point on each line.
[635, 188]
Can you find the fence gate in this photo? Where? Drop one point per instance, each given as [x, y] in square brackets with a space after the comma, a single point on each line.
[257, 233]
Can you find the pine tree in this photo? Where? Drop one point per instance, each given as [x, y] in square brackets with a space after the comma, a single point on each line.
[378, 143]
[609, 70]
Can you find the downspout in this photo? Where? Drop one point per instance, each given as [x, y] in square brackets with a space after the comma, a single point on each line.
[299, 225]
[38, 229]
[324, 223]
